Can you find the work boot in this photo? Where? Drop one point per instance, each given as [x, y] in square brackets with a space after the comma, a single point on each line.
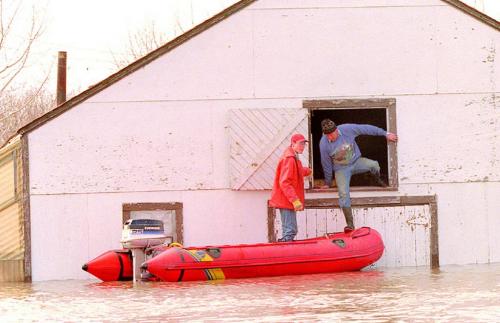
[348, 218]
[379, 180]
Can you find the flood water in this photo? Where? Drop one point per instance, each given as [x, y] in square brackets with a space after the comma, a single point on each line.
[451, 294]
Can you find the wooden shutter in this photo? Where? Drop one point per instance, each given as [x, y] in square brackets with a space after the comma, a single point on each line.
[258, 137]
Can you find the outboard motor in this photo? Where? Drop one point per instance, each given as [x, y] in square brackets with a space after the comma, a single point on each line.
[138, 235]
[143, 233]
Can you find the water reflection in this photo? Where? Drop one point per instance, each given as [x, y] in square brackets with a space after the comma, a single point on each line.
[455, 293]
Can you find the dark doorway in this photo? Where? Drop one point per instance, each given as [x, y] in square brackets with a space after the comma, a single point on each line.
[372, 147]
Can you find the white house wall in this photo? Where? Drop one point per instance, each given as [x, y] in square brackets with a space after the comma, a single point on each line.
[160, 134]
[448, 138]
[468, 220]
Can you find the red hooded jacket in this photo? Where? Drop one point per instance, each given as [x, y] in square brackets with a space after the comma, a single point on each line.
[289, 181]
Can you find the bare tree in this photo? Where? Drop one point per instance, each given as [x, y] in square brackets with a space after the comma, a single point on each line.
[15, 50]
[18, 109]
[19, 33]
[143, 41]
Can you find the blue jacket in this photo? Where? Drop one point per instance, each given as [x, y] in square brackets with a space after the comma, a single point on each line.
[344, 151]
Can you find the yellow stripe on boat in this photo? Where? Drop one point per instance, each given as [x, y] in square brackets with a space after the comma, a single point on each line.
[212, 274]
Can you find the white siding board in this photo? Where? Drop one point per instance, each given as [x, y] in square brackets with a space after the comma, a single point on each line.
[456, 31]
[158, 149]
[406, 238]
[249, 144]
[302, 225]
[405, 230]
[278, 227]
[423, 230]
[448, 154]
[65, 239]
[253, 183]
[321, 220]
[265, 127]
[492, 202]
[261, 161]
[311, 224]
[466, 211]
[253, 122]
[399, 69]
[332, 220]
[389, 237]
[268, 171]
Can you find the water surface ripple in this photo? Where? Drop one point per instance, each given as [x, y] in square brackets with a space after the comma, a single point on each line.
[451, 294]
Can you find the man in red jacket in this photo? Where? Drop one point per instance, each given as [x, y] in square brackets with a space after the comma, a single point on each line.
[288, 188]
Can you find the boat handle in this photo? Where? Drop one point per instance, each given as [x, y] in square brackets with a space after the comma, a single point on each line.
[175, 244]
[362, 234]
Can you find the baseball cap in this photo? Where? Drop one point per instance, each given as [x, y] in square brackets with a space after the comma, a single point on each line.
[298, 138]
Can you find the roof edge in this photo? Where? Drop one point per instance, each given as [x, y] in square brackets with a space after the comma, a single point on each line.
[9, 145]
[492, 22]
[179, 40]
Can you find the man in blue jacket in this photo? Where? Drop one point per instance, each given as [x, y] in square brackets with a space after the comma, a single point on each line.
[341, 154]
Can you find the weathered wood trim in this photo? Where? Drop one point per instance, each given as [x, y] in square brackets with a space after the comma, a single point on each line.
[392, 148]
[176, 206]
[349, 103]
[377, 201]
[353, 189]
[136, 65]
[26, 207]
[310, 179]
[151, 206]
[475, 13]
[125, 216]
[418, 200]
[8, 147]
[271, 216]
[328, 203]
[434, 243]
[385, 103]
[179, 225]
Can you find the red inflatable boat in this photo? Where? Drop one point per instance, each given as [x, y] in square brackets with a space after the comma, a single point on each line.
[336, 252]
[111, 266]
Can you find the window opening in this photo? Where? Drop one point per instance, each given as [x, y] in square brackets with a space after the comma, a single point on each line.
[169, 213]
[373, 147]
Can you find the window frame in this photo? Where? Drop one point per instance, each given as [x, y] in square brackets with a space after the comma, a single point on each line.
[389, 104]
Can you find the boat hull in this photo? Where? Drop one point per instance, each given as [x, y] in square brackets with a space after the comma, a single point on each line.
[113, 265]
[337, 252]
